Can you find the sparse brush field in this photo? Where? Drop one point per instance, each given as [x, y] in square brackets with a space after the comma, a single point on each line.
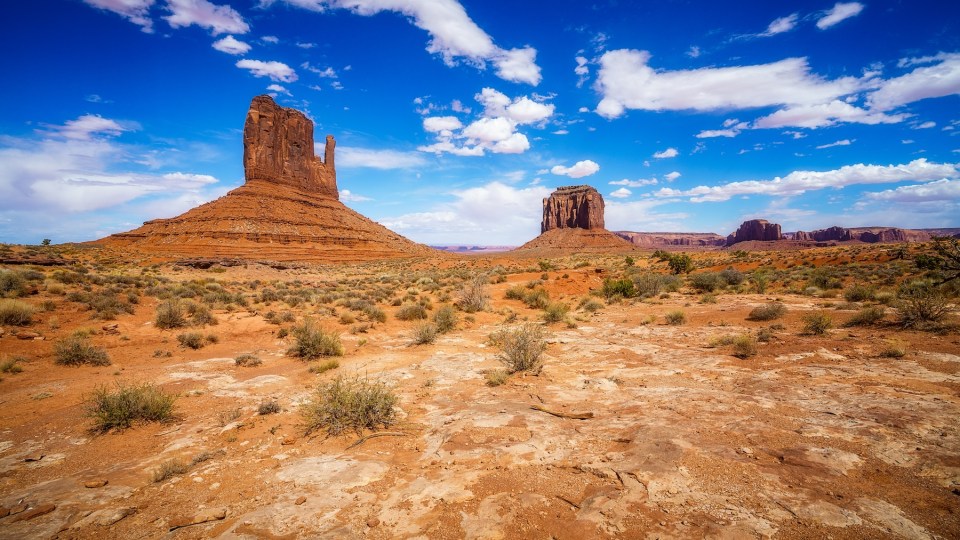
[675, 394]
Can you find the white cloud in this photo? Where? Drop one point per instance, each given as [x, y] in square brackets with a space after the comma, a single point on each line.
[453, 35]
[217, 19]
[514, 144]
[709, 133]
[781, 25]
[276, 88]
[799, 182]
[306, 45]
[353, 157]
[925, 125]
[135, 11]
[626, 81]
[439, 124]
[466, 219]
[839, 12]
[642, 216]
[938, 190]
[526, 111]
[88, 125]
[581, 70]
[579, 169]
[636, 183]
[270, 39]
[327, 73]
[276, 71]
[693, 51]
[347, 196]
[668, 153]
[489, 130]
[941, 79]
[671, 176]
[844, 142]
[445, 146]
[825, 114]
[621, 193]
[561, 132]
[231, 45]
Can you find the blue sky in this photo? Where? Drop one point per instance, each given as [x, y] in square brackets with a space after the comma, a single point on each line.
[454, 119]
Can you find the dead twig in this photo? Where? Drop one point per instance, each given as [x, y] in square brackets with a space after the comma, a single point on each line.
[575, 416]
[568, 501]
[365, 438]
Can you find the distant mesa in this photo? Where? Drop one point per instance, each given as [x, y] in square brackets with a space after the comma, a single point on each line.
[757, 230]
[573, 221]
[870, 235]
[287, 210]
[672, 239]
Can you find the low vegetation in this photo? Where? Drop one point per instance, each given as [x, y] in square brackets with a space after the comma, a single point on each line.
[767, 312]
[350, 404]
[16, 313]
[121, 407]
[76, 350]
[311, 341]
[521, 348]
[817, 323]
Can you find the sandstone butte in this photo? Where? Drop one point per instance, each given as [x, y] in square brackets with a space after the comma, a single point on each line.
[573, 221]
[288, 208]
[755, 230]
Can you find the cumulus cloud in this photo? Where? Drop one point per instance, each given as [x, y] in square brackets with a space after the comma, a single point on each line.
[353, 157]
[327, 73]
[938, 80]
[799, 182]
[844, 142]
[466, 219]
[348, 196]
[231, 45]
[825, 114]
[276, 71]
[217, 19]
[135, 11]
[668, 153]
[841, 11]
[621, 193]
[277, 89]
[671, 176]
[87, 126]
[938, 190]
[495, 130]
[710, 133]
[453, 34]
[925, 125]
[637, 183]
[579, 170]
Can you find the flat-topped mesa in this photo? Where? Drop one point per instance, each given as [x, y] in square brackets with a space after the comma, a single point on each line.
[757, 230]
[572, 207]
[278, 148]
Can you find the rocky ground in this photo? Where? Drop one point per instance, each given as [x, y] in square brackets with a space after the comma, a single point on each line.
[812, 436]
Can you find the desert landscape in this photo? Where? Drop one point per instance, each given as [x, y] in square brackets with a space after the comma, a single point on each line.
[274, 365]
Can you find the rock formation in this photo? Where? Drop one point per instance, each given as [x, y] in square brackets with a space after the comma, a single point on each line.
[573, 221]
[869, 235]
[572, 207]
[659, 240]
[757, 230]
[287, 210]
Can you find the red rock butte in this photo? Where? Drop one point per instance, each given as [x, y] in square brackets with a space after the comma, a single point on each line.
[288, 209]
[573, 221]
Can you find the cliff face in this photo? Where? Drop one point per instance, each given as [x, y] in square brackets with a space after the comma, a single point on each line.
[757, 230]
[572, 207]
[278, 148]
[870, 235]
[654, 239]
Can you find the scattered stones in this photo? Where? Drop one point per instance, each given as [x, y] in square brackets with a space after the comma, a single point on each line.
[104, 517]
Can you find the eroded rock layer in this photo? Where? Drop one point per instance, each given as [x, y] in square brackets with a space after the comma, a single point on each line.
[572, 207]
[756, 230]
[287, 210]
[870, 235]
[667, 239]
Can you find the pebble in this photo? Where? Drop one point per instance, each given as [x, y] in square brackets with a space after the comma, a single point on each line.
[300, 500]
[36, 511]
[95, 483]
[373, 522]
[28, 335]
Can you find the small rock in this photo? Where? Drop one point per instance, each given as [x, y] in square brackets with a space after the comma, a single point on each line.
[300, 500]
[287, 441]
[373, 522]
[22, 507]
[27, 335]
[4, 512]
[746, 451]
[209, 514]
[36, 511]
[95, 483]
[36, 456]
[112, 328]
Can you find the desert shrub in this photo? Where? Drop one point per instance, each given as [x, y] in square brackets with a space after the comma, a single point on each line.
[555, 312]
[323, 367]
[744, 346]
[268, 407]
[169, 469]
[537, 298]
[424, 333]
[675, 317]
[618, 287]
[731, 276]
[313, 341]
[200, 314]
[885, 297]
[247, 360]
[445, 319]
[765, 334]
[375, 314]
[823, 278]
[591, 305]
[496, 377]
[521, 348]
[12, 365]
[680, 263]
[350, 404]
[867, 316]
[767, 312]
[193, 340]
[516, 292]
[170, 314]
[12, 284]
[473, 295]
[411, 312]
[760, 281]
[107, 305]
[858, 293]
[816, 323]
[127, 404]
[708, 298]
[16, 313]
[920, 303]
[894, 349]
[76, 349]
[706, 281]
[648, 284]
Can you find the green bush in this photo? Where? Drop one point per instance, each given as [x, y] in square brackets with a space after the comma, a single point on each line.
[648, 284]
[350, 404]
[921, 304]
[858, 293]
[12, 283]
[680, 263]
[16, 313]
[817, 323]
[323, 367]
[247, 360]
[411, 312]
[744, 346]
[731, 276]
[618, 287]
[445, 319]
[555, 312]
[867, 316]
[767, 312]
[193, 340]
[424, 333]
[127, 404]
[706, 281]
[76, 350]
[537, 298]
[473, 295]
[676, 317]
[313, 342]
[170, 314]
[521, 348]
